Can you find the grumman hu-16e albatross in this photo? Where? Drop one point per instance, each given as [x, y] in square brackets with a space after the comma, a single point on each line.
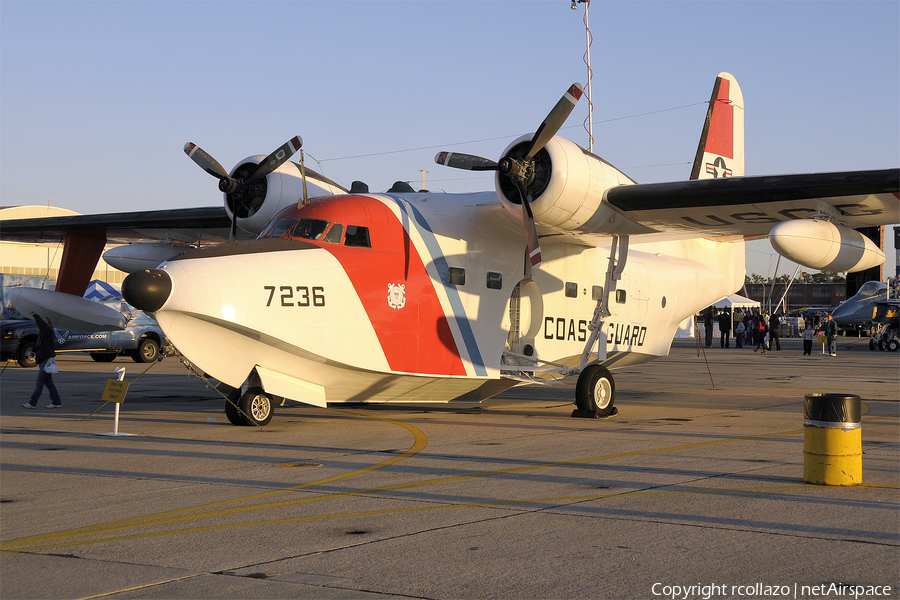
[569, 269]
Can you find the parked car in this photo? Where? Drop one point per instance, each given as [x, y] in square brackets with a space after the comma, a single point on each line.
[142, 340]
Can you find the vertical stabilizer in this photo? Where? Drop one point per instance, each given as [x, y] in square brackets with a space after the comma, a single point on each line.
[721, 149]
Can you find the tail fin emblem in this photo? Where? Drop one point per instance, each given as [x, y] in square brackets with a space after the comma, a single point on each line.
[718, 168]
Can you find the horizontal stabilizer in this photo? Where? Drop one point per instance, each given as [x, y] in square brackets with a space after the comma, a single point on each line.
[66, 311]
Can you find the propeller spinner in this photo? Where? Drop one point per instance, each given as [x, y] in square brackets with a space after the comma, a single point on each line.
[519, 168]
[247, 189]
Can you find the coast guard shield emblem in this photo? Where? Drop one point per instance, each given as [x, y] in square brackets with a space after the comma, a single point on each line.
[396, 295]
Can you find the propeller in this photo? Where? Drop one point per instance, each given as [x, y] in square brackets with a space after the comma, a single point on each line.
[519, 168]
[246, 190]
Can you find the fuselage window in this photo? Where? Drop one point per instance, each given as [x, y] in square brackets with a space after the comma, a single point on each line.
[334, 234]
[279, 228]
[571, 289]
[456, 276]
[357, 236]
[494, 280]
[596, 292]
[310, 229]
[621, 296]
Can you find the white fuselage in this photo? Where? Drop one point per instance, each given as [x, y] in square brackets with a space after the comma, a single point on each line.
[426, 312]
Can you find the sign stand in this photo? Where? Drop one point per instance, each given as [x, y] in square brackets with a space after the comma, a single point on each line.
[115, 392]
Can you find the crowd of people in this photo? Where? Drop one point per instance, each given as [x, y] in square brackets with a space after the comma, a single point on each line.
[759, 330]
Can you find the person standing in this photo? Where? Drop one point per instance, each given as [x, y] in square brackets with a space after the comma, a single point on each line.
[44, 353]
[809, 335]
[831, 334]
[724, 328]
[774, 340]
[739, 334]
[759, 334]
[748, 329]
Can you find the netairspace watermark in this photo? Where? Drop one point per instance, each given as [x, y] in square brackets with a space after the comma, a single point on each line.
[795, 591]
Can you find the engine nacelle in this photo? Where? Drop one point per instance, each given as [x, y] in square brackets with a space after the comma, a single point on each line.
[569, 183]
[825, 246]
[261, 200]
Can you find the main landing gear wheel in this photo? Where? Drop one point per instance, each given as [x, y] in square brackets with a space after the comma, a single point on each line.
[893, 345]
[256, 407]
[595, 393]
[231, 409]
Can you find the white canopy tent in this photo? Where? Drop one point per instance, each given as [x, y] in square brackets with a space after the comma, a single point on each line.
[736, 301]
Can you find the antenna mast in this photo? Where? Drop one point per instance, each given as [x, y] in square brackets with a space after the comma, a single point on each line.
[589, 122]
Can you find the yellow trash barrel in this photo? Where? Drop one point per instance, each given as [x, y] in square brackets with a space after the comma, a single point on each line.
[832, 439]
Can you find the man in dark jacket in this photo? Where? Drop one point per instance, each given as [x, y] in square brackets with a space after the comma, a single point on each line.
[774, 339]
[43, 350]
[724, 328]
[708, 325]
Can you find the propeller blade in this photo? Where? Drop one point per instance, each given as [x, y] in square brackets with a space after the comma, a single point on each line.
[277, 158]
[205, 161]
[531, 236]
[555, 119]
[467, 162]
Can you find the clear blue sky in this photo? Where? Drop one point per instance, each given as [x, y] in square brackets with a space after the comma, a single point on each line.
[98, 98]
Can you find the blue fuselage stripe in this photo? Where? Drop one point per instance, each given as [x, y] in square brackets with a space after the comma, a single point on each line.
[440, 263]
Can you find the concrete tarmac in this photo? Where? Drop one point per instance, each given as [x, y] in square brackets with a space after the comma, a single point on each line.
[694, 490]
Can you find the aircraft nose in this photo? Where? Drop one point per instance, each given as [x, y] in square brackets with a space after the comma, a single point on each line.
[844, 310]
[147, 290]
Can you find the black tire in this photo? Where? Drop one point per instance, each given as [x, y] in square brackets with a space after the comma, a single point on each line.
[234, 417]
[256, 407]
[893, 345]
[596, 391]
[147, 351]
[231, 409]
[25, 355]
[104, 356]
[871, 344]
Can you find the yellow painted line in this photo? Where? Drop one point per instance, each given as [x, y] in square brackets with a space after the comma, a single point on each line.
[185, 513]
[434, 507]
[204, 511]
[140, 587]
[188, 514]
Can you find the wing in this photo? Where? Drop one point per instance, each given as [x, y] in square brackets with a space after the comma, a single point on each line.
[188, 225]
[86, 236]
[753, 205]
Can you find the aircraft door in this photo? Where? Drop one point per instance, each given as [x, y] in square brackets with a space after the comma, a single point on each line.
[526, 313]
[638, 291]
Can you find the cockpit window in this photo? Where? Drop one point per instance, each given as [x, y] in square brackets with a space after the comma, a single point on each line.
[310, 229]
[298, 229]
[869, 288]
[279, 228]
[357, 236]
[334, 234]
